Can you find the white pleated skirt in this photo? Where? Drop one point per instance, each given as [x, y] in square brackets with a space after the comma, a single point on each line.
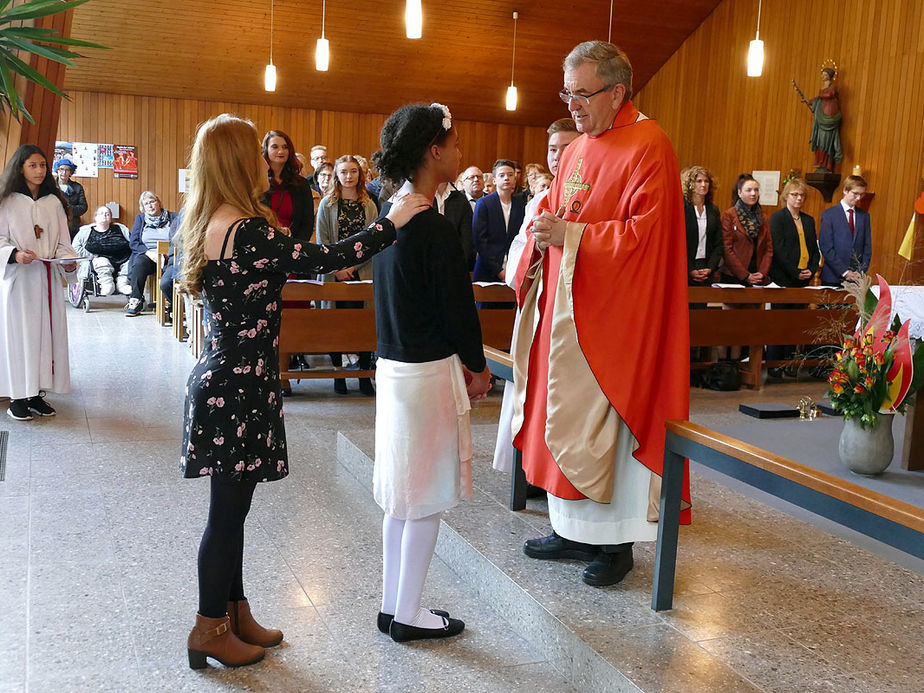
[423, 437]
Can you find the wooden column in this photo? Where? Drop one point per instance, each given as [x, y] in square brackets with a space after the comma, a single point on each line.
[44, 105]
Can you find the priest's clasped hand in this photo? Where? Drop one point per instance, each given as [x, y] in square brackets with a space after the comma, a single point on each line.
[549, 229]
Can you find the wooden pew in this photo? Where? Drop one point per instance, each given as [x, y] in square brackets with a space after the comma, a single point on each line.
[886, 519]
[500, 363]
[160, 308]
[307, 330]
[756, 326]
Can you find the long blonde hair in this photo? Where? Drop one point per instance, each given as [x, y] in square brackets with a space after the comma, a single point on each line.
[226, 167]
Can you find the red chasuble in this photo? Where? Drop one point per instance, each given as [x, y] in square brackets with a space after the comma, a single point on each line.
[628, 296]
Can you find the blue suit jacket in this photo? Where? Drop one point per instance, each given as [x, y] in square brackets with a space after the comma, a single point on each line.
[840, 251]
[491, 237]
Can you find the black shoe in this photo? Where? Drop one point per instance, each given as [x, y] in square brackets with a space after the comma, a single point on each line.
[401, 632]
[340, 386]
[19, 410]
[534, 491]
[37, 405]
[365, 387]
[554, 547]
[775, 374]
[134, 307]
[608, 568]
[384, 620]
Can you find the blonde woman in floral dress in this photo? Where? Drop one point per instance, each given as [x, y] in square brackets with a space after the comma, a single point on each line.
[233, 425]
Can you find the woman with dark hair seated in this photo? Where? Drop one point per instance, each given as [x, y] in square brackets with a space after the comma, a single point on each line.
[233, 431]
[289, 195]
[153, 225]
[431, 361]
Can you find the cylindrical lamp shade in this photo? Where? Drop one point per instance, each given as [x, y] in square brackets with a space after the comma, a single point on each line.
[756, 58]
[322, 55]
[413, 19]
[269, 78]
[511, 98]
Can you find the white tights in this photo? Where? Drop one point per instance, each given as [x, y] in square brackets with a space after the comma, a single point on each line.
[407, 547]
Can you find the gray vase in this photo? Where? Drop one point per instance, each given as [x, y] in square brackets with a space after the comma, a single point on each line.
[867, 452]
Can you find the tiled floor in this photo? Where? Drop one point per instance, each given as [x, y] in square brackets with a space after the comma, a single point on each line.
[98, 538]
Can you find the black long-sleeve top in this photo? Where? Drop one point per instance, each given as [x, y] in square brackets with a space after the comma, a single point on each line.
[424, 305]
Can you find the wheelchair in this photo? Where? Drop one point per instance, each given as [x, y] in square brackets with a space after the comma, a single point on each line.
[80, 292]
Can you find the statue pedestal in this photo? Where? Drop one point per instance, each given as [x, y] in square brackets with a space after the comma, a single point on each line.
[825, 183]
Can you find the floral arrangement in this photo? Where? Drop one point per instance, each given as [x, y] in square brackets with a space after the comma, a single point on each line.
[877, 370]
[447, 116]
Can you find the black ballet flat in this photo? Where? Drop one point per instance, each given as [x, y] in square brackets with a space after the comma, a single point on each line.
[384, 620]
[401, 632]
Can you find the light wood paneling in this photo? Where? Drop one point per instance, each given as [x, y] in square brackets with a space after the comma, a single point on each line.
[718, 117]
[198, 49]
[163, 131]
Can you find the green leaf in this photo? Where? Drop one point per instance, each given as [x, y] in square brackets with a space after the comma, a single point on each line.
[39, 8]
[917, 381]
[59, 55]
[34, 75]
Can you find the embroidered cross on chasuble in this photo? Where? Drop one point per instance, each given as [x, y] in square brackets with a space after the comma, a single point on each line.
[573, 184]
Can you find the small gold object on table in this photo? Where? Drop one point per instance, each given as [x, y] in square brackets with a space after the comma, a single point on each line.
[808, 410]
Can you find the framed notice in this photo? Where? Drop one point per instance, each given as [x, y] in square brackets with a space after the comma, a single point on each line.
[63, 150]
[769, 182]
[183, 180]
[86, 158]
[124, 161]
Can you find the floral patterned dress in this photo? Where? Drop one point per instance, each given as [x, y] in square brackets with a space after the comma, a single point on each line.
[233, 423]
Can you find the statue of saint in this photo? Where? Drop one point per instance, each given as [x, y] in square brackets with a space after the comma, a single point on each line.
[825, 140]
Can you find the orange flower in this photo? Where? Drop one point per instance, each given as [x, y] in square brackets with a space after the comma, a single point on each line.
[869, 382]
[837, 388]
[859, 389]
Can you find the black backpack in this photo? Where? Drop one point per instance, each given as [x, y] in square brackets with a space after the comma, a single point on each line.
[723, 375]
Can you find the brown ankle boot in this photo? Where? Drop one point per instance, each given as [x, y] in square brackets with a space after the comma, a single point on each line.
[247, 629]
[212, 637]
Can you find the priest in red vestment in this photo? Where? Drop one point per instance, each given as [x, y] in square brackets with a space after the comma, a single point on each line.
[601, 355]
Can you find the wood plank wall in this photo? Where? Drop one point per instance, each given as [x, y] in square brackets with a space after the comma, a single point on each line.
[163, 130]
[718, 117]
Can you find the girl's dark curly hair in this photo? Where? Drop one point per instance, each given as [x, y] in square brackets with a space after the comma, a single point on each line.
[406, 136]
[12, 179]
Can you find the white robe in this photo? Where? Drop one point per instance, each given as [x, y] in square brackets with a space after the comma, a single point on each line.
[33, 334]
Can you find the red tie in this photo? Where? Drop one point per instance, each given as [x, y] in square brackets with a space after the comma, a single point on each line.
[850, 221]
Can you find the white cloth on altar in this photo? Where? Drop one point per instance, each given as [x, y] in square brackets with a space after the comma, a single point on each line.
[908, 304]
[503, 446]
[423, 437]
[625, 518]
[33, 319]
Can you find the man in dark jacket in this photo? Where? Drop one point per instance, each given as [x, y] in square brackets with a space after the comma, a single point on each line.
[73, 192]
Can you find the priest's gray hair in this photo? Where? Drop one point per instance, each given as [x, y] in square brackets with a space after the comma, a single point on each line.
[613, 66]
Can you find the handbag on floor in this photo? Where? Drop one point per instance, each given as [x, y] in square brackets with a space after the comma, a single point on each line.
[723, 375]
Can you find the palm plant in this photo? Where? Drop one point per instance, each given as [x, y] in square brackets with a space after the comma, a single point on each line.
[40, 41]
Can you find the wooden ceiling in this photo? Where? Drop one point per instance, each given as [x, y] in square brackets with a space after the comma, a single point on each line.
[217, 51]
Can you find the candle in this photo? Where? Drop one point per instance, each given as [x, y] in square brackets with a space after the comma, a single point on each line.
[857, 171]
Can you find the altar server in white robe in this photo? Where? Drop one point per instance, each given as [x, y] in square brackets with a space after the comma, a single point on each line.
[33, 324]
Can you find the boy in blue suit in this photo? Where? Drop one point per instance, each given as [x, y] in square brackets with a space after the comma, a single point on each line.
[844, 237]
[497, 219]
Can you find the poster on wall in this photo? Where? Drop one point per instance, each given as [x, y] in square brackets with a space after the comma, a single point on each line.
[769, 182]
[104, 157]
[124, 161]
[86, 158]
[63, 150]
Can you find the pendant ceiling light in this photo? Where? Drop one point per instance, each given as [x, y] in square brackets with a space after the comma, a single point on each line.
[413, 19]
[269, 76]
[322, 52]
[756, 50]
[512, 90]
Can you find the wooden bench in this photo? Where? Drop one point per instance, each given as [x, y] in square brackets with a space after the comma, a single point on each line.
[160, 306]
[307, 330]
[755, 326]
[886, 519]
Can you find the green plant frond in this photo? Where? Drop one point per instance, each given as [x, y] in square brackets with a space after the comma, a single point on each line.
[34, 75]
[59, 55]
[37, 9]
[917, 381]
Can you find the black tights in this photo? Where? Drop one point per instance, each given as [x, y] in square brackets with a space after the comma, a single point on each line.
[221, 552]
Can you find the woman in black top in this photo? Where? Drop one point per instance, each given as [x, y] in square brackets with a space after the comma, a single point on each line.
[704, 227]
[233, 434]
[430, 364]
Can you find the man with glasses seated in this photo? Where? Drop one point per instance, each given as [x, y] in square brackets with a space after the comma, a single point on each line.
[603, 338]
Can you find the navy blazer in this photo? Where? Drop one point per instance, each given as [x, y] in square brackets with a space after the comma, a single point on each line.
[491, 237]
[784, 267]
[840, 251]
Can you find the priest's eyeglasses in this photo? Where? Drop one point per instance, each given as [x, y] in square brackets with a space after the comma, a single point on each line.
[583, 99]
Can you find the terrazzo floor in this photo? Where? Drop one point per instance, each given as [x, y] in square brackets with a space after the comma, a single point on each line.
[98, 538]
